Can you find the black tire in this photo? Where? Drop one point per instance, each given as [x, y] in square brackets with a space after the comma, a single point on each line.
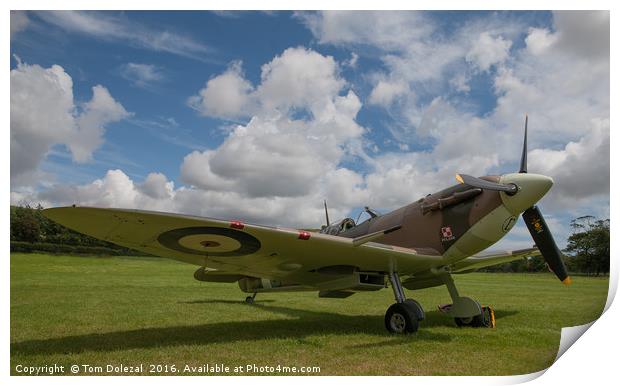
[464, 322]
[416, 308]
[249, 300]
[400, 318]
[475, 321]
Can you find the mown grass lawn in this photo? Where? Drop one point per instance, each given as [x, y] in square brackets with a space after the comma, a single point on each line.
[69, 310]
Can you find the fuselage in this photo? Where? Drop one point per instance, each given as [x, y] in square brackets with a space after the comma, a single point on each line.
[458, 221]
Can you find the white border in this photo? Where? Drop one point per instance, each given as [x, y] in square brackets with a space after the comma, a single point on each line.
[590, 360]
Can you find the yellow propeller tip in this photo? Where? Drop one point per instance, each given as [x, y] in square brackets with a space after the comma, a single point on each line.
[567, 281]
[459, 178]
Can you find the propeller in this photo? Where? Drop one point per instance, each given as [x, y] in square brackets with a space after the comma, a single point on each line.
[539, 230]
[523, 167]
[534, 219]
[326, 214]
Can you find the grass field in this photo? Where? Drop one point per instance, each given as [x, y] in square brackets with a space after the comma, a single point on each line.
[99, 311]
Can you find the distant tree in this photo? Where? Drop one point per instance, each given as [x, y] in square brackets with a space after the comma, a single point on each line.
[588, 245]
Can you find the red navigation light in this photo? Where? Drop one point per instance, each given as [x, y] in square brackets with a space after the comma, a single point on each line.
[303, 235]
[236, 224]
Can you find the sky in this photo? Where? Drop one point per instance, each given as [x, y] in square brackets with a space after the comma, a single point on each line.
[260, 116]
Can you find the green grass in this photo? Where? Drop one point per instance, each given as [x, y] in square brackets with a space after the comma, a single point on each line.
[98, 311]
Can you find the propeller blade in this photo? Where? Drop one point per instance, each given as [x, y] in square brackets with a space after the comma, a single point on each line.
[484, 184]
[326, 214]
[523, 168]
[544, 241]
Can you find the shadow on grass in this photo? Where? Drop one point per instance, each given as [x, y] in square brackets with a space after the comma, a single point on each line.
[237, 302]
[432, 319]
[304, 323]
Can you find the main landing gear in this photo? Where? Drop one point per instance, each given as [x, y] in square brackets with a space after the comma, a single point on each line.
[405, 315]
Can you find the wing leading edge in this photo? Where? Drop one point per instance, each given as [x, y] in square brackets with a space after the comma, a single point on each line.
[235, 247]
[475, 262]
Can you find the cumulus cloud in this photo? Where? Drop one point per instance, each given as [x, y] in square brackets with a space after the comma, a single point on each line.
[384, 93]
[488, 51]
[275, 154]
[117, 190]
[43, 113]
[224, 96]
[157, 186]
[581, 168]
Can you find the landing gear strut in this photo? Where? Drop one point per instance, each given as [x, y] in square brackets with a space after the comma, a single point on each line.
[403, 316]
[250, 299]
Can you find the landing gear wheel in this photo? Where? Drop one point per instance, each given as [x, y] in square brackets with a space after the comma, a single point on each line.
[417, 308]
[250, 299]
[401, 318]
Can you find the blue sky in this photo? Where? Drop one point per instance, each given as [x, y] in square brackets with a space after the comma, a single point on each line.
[361, 108]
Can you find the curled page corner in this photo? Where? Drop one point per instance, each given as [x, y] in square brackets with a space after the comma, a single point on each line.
[569, 336]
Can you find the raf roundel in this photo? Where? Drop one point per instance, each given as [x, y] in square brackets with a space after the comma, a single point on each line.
[210, 241]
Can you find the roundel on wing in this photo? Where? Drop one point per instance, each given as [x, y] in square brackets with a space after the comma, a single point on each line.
[210, 241]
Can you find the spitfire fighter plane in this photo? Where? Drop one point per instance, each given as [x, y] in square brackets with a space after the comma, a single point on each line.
[417, 246]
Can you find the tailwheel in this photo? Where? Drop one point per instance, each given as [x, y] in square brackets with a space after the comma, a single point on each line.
[485, 319]
[401, 318]
[250, 299]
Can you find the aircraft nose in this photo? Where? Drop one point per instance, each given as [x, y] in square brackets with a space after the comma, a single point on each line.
[532, 187]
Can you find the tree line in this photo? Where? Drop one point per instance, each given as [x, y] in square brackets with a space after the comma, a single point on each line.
[33, 232]
[587, 250]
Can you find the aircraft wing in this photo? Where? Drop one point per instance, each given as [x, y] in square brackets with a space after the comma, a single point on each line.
[234, 247]
[475, 262]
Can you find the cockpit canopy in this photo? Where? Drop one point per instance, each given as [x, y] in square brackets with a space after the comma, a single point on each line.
[339, 226]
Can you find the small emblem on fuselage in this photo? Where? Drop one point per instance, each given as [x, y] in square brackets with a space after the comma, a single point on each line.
[446, 234]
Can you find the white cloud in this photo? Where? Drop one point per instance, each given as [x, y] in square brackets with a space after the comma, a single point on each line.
[96, 113]
[488, 51]
[275, 154]
[539, 40]
[384, 93]
[117, 190]
[224, 96]
[299, 78]
[581, 168]
[140, 74]
[43, 113]
[103, 25]
[157, 186]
